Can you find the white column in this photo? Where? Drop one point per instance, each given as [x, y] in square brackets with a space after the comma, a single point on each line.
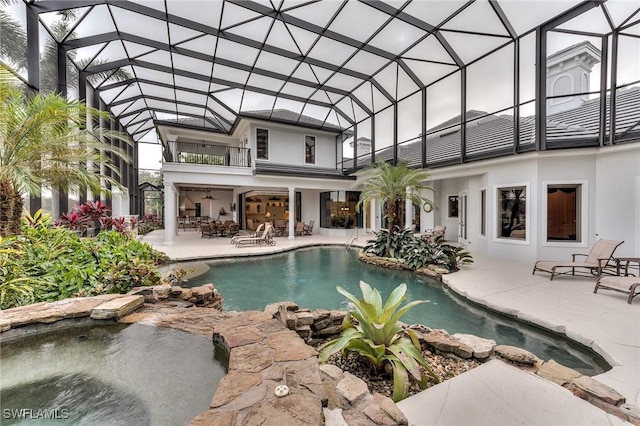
[170, 214]
[408, 210]
[373, 215]
[292, 213]
[427, 220]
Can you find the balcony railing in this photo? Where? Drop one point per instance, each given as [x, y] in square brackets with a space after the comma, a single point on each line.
[212, 155]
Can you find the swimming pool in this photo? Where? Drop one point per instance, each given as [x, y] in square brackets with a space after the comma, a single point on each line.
[108, 374]
[309, 277]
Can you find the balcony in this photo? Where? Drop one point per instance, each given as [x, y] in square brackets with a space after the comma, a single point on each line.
[207, 154]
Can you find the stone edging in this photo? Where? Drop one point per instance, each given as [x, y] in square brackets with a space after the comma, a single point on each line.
[267, 349]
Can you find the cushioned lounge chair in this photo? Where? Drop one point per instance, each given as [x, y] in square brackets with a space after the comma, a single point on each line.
[594, 263]
[265, 238]
[252, 234]
[626, 285]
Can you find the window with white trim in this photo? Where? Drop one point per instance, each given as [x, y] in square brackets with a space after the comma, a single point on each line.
[512, 210]
[564, 212]
[309, 149]
[262, 144]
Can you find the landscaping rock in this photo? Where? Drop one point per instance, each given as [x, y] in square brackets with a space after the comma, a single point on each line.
[383, 411]
[333, 417]
[440, 270]
[331, 371]
[117, 308]
[482, 348]
[515, 354]
[304, 331]
[557, 373]
[304, 318]
[5, 324]
[352, 388]
[588, 388]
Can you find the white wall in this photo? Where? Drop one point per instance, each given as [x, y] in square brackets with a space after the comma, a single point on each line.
[287, 145]
[617, 212]
[610, 179]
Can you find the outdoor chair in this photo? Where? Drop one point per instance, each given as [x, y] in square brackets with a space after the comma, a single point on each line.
[626, 285]
[208, 230]
[265, 238]
[594, 262]
[436, 232]
[308, 229]
[299, 229]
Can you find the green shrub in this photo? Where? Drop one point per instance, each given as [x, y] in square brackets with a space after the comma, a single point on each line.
[48, 264]
[418, 253]
[377, 336]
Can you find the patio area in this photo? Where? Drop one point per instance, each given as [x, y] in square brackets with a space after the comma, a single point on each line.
[603, 321]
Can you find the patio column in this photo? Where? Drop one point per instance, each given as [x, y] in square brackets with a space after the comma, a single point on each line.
[408, 210]
[373, 215]
[170, 214]
[292, 212]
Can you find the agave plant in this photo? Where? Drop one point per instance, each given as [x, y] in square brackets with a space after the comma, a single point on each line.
[377, 335]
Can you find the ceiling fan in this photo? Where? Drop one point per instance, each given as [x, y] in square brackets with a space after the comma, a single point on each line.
[208, 196]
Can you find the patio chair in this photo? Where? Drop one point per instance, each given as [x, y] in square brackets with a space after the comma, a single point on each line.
[208, 230]
[626, 285]
[594, 263]
[252, 234]
[299, 229]
[308, 229]
[265, 238]
[432, 234]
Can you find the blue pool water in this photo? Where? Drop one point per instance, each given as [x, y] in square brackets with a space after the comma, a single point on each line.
[309, 277]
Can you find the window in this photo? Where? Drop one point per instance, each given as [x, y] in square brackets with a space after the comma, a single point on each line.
[452, 206]
[513, 212]
[564, 212]
[262, 144]
[483, 212]
[338, 209]
[310, 149]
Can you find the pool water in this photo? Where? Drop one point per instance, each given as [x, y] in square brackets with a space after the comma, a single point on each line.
[110, 374]
[309, 278]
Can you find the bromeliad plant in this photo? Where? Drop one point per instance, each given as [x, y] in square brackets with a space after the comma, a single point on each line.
[377, 335]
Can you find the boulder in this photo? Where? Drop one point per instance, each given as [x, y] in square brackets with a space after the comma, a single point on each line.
[482, 348]
[352, 388]
[515, 354]
[588, 388]
[383, 411]
[304, 318]
[557, 373]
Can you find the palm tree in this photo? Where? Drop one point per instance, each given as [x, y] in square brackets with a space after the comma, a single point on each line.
[392, 184]
[45, 143]
[13, 48]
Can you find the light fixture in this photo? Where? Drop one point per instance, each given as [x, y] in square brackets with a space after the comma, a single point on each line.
[208, 196]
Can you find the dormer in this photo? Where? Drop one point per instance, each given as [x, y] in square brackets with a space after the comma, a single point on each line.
[569, 72]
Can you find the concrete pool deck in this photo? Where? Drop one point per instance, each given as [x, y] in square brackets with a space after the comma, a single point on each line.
[603, 321]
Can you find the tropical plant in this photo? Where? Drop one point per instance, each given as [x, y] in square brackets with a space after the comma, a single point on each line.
[390, 185]
[13, 48]
[45, 143]
[377, 336]
[417, 252]
[48, 264]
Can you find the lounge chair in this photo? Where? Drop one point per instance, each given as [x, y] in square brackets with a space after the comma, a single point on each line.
[595, 261]
[626, 285]
[253, 234]
[265, 238]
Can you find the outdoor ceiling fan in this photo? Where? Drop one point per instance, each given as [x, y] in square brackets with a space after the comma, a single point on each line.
[208, 196]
